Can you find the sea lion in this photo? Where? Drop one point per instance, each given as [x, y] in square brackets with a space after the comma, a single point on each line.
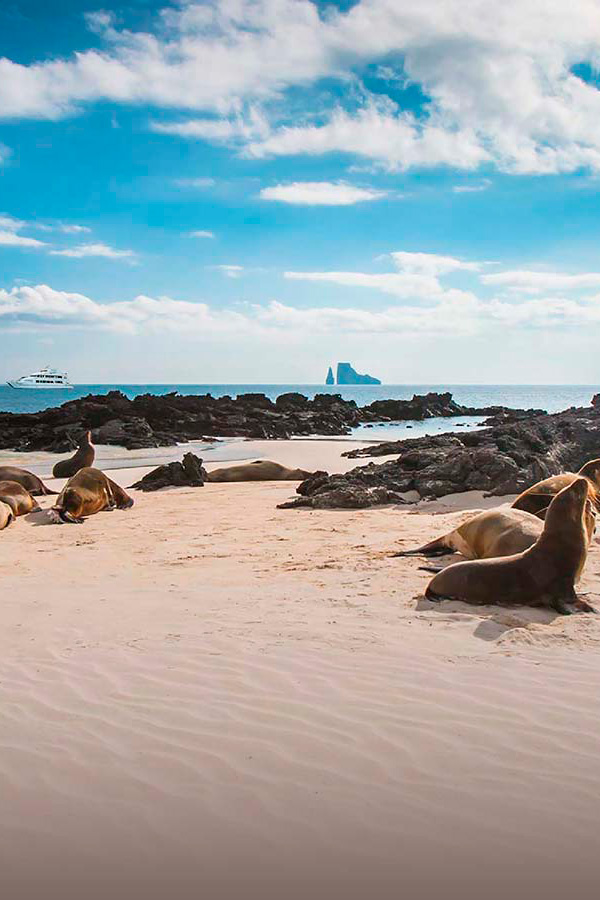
[89, 491]
[539, 495]
[30, 482]
[83, 458]
[18, 498]
[260, 470]
[494, 532]
[543, 575]
[6, 515]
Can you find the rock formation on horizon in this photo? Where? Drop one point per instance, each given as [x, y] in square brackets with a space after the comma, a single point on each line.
[330, 379]
[347, 375]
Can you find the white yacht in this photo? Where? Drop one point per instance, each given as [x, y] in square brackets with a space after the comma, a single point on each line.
[45, 379]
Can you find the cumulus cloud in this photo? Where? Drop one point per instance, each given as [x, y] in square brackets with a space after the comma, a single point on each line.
[85, 250]
[382, 133]
[497, 79]
[319, 193]
[454, 314]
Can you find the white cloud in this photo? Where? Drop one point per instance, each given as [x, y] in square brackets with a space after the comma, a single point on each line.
[10, 223]
[231, 271]
[201, 234]
[417, 277]
[431, 263]
[250, 126]
[85, 250]
[10, 236]
[74, 229]
[497, 78]
[201, 183]
[10, 239]
[319, 193]
[471, 188]
[454, 314]
[531, 282]
[5, 153]
[382, 133]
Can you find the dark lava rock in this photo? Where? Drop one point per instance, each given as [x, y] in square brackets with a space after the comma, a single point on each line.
[502, 459]
[187, 473]
[156, 421]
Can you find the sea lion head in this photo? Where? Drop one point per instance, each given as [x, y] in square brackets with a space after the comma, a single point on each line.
[568, 505]
[591, 470]
[566, 527]
[67, 509]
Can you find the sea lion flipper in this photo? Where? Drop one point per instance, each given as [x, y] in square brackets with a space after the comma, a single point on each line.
[438, 547]
[561, 605]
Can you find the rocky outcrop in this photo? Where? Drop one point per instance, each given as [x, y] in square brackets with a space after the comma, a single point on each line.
[503, 459]
[187, 473]
[434, 405]
[347, 375]
[158, 421]
[330, 379]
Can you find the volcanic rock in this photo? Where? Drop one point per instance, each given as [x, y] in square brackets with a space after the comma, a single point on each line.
[187, 473]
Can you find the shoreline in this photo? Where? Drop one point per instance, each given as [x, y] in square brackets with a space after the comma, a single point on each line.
[308, 453]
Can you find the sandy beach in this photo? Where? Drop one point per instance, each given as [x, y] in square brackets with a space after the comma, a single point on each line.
[208, 696]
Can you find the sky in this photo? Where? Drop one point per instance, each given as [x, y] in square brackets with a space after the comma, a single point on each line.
[248, 191]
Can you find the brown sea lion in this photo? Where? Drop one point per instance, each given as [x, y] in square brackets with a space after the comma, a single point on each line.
[89, 491]
[494, 532]
[83, 458]
[6, 515]
[30, 482]
[18, 498]
[539, 495]
[260, 470]
[543, 575]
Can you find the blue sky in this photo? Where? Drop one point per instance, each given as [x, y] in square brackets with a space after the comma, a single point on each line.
[251, 190]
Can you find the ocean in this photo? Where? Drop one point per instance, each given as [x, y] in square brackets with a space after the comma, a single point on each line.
[550, 397]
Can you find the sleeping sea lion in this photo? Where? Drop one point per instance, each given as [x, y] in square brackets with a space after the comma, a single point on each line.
[260, 470]
[89, 491]
[494, 532]
[543, 575]
[539, 495]
[30, 482]
[6, 515]
[18, 498]
[83, 458]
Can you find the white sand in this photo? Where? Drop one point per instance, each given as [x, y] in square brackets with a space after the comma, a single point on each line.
[205, 696]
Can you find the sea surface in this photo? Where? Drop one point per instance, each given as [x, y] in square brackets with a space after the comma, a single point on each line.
[550, 397]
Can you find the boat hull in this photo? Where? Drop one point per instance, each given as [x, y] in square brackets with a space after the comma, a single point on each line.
[39, 387]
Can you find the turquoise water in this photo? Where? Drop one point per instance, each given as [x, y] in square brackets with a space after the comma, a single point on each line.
[552, 398]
